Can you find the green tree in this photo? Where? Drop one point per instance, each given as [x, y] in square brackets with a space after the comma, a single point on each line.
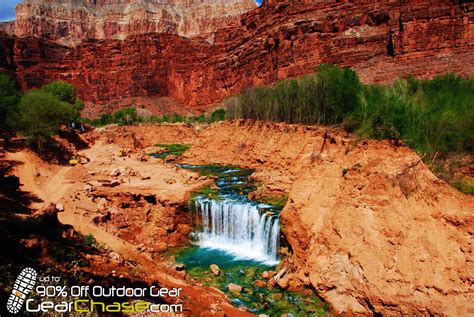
[67, 93]
[40, 115]
[8, 101]
[338, 93]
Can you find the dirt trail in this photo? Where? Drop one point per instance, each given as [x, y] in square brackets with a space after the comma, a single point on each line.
[65, 185]
[50, 190]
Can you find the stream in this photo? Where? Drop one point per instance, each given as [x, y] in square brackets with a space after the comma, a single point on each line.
[243, 238]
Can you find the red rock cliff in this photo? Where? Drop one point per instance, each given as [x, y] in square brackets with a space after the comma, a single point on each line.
[382, 41]
[70, 21]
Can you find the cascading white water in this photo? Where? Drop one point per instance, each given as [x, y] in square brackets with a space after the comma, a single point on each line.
[239, 228]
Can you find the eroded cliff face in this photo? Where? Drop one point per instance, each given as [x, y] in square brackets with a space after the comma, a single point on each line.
[373, 231]
[382, 41]
[8, 27]
[70, 22]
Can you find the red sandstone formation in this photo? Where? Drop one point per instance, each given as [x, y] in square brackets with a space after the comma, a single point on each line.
[382, 41]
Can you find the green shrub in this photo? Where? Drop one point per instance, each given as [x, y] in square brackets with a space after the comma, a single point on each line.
[125, 116]
[217, 115]
[430, 115]
[200, 119]
[173, 149]
[89, 240]
[67, 93]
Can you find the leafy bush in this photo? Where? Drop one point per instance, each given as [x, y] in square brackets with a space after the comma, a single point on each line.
[217, 115]
[125, 116]
[128, 116]
[430, 115]
[104, 119]
[173, 149]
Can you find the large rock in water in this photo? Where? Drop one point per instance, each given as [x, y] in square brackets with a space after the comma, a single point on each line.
[154, 68]
[234, 288]
[215, 269]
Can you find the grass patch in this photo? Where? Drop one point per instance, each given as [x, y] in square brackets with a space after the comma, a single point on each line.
[205, 191]
[89, 240]
[172, 149]
[276, 201]
[464, 185]
[449, 169]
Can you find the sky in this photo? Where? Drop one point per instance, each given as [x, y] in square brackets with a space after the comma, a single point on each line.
[7, 9]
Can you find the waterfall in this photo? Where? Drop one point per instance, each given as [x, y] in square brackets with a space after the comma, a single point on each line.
[239, 228]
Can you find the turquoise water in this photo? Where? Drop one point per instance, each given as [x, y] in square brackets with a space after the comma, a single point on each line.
[233, 232]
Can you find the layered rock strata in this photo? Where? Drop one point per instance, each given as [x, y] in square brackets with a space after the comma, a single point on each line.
[382, 41]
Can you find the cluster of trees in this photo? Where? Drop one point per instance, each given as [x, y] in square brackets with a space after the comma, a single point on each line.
[38, 113]
[430, 115]
[322, 98]
[127, 116]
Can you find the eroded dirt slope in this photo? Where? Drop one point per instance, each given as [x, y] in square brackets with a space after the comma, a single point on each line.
[372, 229]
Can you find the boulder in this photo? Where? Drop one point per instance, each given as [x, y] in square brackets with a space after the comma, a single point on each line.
[171, 158]
[116, 258]
[111, 184]
[59, 207]
[259, 283]
[161, 247]
[283, 282]
[234, 288]
[180, 267]
[215, 270]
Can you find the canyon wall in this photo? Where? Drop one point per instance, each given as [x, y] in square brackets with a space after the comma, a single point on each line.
[160, 71]
[8, 27]
[70, 22]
